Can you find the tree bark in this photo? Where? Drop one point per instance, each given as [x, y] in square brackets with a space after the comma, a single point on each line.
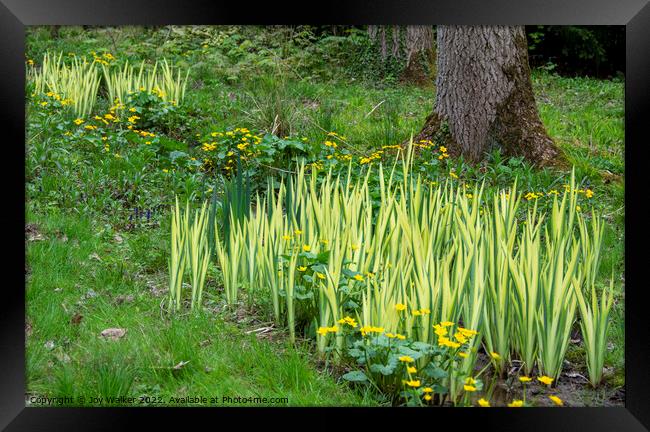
[485, 95]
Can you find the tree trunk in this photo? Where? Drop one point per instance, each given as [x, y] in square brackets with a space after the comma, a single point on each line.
[411, 46]
[485, 95]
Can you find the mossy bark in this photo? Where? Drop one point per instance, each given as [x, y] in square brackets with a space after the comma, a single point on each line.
[485, 96]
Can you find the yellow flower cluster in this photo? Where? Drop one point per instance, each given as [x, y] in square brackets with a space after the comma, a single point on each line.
[533, 195]
[104, 59]
[335, 135]
[57, 97]
[427, 144]
[419, 312]
[395, 336]
[209, 146]
[460, 337]
[323, 331]
[374, 156]
[349, 321]
[370, 329]
[156, 91]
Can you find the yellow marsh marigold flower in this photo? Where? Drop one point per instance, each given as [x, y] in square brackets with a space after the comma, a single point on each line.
[460, 337]
[306, 248]
[349, 321]
[411, 369]
[484, 403]
[400, 337]
[556, 400]
[443, 341]
[427, 390]
[358, 277]
[467, 332]
[406, 359]
[286, 237]
[545, 379]
[469, 388]
[525, 379]
[427, 397]
[399, 307]
[589, 193]
[446, 323]
[470, 381]
[354, 247]
[516, 403]
[302, 268]
[297, 232]
[463, 354]
[322, 331]
[495, 355]
[320, 275]
[440, 330]
[78, 121]
[413, 383]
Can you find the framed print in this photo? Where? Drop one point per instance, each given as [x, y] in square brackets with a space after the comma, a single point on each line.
[394, 205]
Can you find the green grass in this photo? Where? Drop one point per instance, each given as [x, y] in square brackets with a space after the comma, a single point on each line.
[83, 199]
[68, 358]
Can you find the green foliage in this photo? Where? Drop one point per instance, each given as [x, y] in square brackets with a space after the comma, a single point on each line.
[75, 85]
[106, 182]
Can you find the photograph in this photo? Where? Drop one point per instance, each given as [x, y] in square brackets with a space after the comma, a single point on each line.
[325, 216]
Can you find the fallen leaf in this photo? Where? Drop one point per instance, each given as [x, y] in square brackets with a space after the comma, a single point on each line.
[113, 333]
[90, 294]
[32, 233]
[62, 357]
[124, 299]
[118, 238]
[180, 365]
[94, 256]
[76, 319]
[49, 345]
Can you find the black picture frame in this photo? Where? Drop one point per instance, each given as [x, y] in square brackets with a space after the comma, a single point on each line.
[16, 14]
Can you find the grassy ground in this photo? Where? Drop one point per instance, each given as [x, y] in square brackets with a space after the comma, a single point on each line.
[84, 279]
[91, 267]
